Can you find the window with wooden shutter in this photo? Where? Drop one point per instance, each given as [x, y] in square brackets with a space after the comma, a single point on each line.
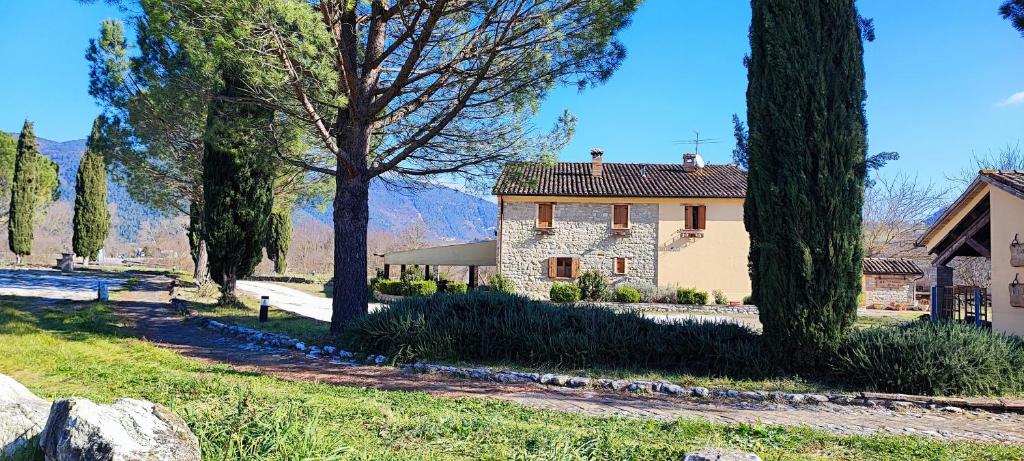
[563, 267]
[620, 265]
[620, 216]
[695, 217]
[545, 215]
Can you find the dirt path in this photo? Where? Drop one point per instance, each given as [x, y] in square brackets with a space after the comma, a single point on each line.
[155, 321]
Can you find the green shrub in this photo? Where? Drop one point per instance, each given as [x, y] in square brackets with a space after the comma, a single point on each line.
[651, 293]
[931, 358]
[748, 300]
[421, 288]
[412, 274]
[720, 297]
[627, 294]
[485, 327]
[691, 296]
[592, 285]
[501, 284]
[389, 287]
[458, 288]
[564, 292]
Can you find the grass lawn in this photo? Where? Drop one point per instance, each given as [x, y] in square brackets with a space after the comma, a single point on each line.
[77, 349]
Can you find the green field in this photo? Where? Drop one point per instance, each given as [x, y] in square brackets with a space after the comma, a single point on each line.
[79, 349]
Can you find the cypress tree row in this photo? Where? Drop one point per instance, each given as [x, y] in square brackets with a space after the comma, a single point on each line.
[237, 187]
[279, 237]
[92, 219]
[805, 109]
[23, 194]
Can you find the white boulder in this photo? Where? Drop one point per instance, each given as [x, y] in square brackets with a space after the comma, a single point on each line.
[127, 430]
[22, 417]
[720, 454]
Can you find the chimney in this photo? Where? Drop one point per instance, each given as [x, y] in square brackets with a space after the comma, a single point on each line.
[690, 162]
[597, 162]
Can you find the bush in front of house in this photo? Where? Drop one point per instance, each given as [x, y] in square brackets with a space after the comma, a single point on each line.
[456, 288]
[496, 328]
[932, 359]
[748, 300]
[720, 297]
[627, 294]
[651, 293]
[564, 292]
[593, 285]
[421, 288]
[389, 287]
[691, 296]
[501, 284]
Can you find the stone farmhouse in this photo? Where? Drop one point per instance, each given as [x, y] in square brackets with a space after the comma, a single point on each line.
[890, 282]
[653, 224]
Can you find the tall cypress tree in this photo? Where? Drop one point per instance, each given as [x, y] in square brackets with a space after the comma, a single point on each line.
[805, 106]
[23, 194]
[238, 193]
[279, 237]
[92, 219]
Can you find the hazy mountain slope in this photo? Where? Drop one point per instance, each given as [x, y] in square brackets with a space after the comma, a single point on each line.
[448, 214]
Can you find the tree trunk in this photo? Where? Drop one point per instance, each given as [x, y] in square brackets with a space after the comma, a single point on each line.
[351, 217]
[17, 259]
[201, 273]
[227, 289]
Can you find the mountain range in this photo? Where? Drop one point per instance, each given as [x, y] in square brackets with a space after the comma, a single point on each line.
[447, 214]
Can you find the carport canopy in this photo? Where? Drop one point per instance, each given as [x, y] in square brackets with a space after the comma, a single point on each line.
[464, 254]
[473, 255]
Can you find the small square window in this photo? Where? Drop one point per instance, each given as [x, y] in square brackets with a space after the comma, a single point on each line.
[620, 266]
[694, 217]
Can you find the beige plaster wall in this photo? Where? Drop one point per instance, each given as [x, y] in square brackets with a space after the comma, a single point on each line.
[1007, 219]
[716, 261]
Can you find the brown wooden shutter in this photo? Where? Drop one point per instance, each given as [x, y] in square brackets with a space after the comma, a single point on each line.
[620, 265]
[553, 267]
[575, 266]
[687, 217]
[545, 215]
[620, 219]
[701, 217]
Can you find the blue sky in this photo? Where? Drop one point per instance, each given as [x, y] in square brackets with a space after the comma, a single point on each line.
[937, 75]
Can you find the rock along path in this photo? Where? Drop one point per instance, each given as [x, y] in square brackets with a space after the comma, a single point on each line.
[149, 311]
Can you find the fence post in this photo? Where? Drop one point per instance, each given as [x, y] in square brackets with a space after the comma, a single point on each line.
[977, 307]
[935, 304]
[264, 308]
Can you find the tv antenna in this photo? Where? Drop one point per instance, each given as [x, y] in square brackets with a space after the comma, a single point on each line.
[697, 141]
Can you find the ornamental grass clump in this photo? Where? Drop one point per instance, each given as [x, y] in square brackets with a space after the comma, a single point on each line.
[486, 327]
[931, 359]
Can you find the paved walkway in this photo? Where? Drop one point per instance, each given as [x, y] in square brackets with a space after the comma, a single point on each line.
[54, 284]
[155, 321]
[292, 300]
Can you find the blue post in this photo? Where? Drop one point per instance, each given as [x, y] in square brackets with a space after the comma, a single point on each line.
[935, 304]
[977, 307]
[101, 291]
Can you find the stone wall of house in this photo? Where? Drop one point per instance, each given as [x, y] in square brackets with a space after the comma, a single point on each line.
[580, 229]
[883, 289]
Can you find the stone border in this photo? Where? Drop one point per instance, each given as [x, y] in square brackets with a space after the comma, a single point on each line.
[664, 307]
[258, 338]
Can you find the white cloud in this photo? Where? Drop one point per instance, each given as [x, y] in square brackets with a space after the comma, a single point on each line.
[1013, 100]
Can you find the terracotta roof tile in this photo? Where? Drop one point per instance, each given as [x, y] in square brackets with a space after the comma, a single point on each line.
[892, 266]
[1008, 179]
[621, 180]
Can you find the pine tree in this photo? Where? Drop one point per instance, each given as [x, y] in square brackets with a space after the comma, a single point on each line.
[23, 194]
[805, 106]
[279, 237]
[237, 187]
[92, 219]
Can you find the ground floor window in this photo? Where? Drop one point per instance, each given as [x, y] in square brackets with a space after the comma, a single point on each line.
[620, 265]
[563, 267]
